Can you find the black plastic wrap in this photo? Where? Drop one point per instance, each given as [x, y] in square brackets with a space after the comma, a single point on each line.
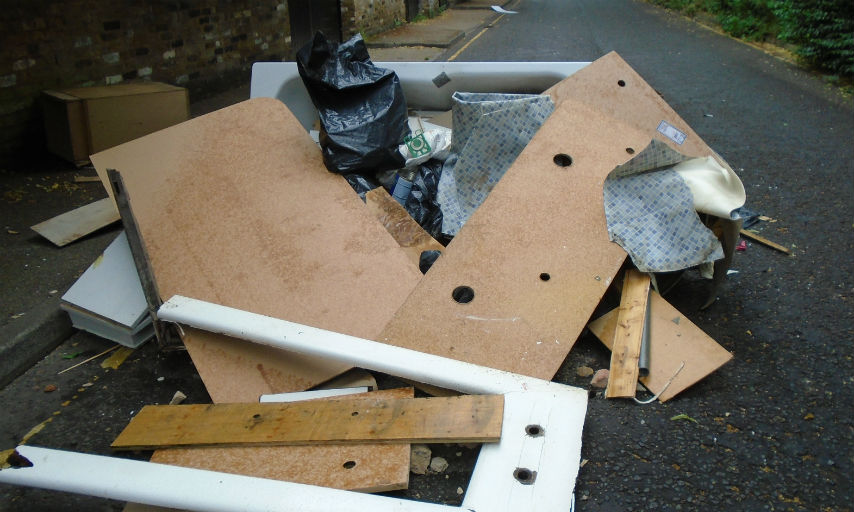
[422, 203]
[361, 183]
[363, 117]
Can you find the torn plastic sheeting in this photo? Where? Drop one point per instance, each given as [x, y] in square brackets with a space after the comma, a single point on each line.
[361, 106]
[490, 130]
[650, 213]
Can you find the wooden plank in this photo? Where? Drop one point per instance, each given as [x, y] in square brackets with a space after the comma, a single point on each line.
[365, 468]
[536, 255]
[764, 241]
[625, 350]
[247, 185]
[674, 340]
[400, 225]
[460, 419]
[79, 222]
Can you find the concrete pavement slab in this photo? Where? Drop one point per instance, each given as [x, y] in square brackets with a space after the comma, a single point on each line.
[442, 31]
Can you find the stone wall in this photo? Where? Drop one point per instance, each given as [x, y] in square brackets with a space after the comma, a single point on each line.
[206, 46]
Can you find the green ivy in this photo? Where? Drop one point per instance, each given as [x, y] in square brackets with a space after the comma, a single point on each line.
[821, 30]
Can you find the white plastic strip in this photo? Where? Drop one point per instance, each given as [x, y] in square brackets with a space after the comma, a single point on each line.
[401, 362]
[310, 395]
[188, 489]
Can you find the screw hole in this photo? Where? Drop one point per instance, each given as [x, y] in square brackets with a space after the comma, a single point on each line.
[621, 83]
[534, 430]
[350, 464]
[563, 160]
[545, 276]
[630, 151]
[463, 294]
[525, 476]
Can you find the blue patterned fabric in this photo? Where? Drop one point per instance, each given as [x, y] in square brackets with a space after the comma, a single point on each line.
[490, 130]
[650, 213]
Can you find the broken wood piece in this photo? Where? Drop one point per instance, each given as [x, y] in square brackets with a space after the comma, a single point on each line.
[675, 340]
[363, 468]
[461, 419]
[86, 179]
[764, 241]
[625, 350]
[401, 226]
[79, 222]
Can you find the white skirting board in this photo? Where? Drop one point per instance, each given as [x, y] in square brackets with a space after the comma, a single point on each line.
[533, 467]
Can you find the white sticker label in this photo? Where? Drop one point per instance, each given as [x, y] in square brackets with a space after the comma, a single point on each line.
[671, 132]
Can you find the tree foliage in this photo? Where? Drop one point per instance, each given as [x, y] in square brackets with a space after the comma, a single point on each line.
[821, 30]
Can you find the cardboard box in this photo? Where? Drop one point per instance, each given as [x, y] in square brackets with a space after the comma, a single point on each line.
[82, 121]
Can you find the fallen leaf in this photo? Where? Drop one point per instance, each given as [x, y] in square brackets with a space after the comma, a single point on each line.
[49, 388]
[683, 417]
[71, 356]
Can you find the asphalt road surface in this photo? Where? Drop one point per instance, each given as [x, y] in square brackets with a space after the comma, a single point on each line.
[774, 427]
[771, 430]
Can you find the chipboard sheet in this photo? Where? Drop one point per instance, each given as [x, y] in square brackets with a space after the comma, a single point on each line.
[518, 284]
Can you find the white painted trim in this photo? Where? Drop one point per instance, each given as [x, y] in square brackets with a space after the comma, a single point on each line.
[362, 353]
[557, 410]
[186, 488]
[298, 396]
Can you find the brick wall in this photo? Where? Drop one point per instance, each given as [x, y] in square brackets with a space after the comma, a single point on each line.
[204, 45]
[371, 16]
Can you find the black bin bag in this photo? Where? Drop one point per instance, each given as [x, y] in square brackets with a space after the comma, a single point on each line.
[363, 115]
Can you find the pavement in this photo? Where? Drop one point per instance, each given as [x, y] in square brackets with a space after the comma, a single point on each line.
[36, 273]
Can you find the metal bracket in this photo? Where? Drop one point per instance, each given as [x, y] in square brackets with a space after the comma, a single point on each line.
[167, 336]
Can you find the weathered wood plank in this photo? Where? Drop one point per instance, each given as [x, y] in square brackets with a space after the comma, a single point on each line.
[79, 222]
[625, 351]
[364, 467]
[462, 419]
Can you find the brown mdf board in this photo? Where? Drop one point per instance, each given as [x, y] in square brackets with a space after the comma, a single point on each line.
[457, 419]
[403, 228]
[673, 340]
[236, 208]
[79, 222]
[626, 348]
[366, 468]
[610, 86]
[536, 254]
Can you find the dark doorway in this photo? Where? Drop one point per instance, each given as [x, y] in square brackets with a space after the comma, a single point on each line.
[411, 9]
[309, 16]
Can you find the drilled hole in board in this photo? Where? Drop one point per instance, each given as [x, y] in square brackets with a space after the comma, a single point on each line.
[545, 276]
[534, 430]
[525, 476]
[621, 83]
[350, 464]
[563, 160]
[463, 294]
[630, 151]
